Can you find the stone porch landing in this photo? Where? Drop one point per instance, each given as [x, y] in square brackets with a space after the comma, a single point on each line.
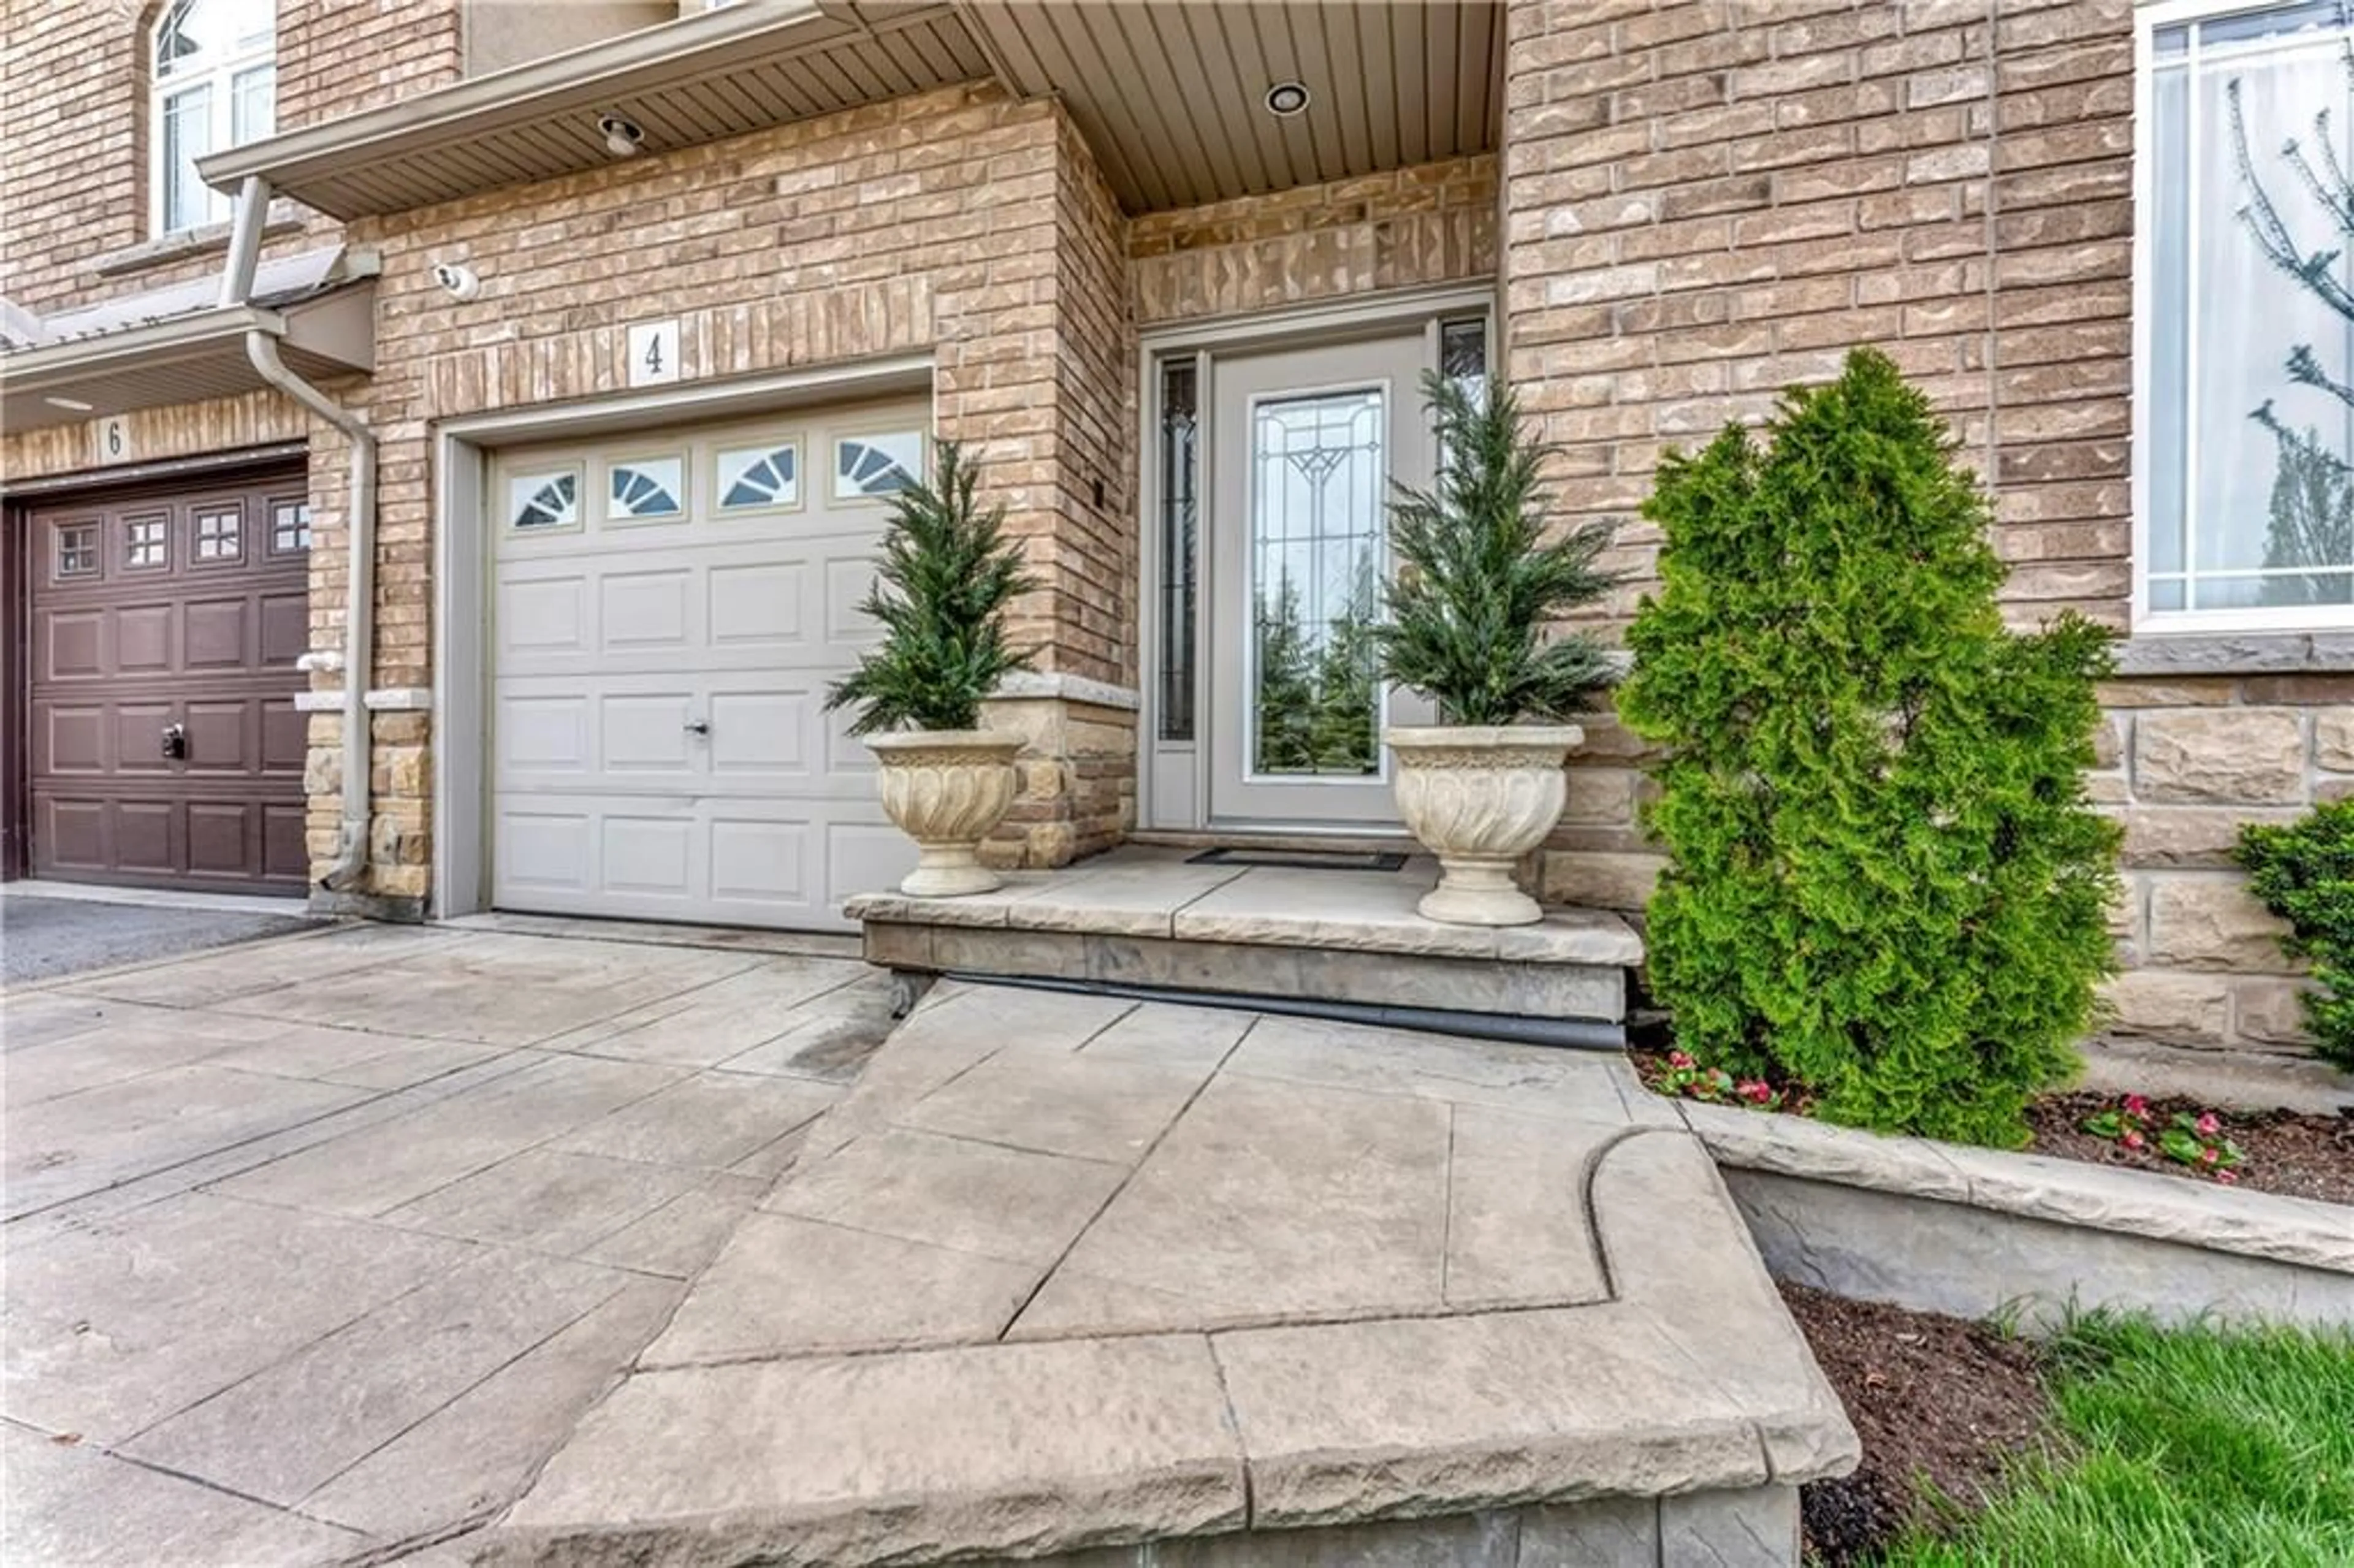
[1067, 1273]
[1342, 944]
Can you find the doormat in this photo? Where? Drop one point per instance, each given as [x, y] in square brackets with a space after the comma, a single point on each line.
[1302, 860]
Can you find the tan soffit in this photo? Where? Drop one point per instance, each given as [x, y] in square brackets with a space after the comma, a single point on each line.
[738, 68]
[1171, 93]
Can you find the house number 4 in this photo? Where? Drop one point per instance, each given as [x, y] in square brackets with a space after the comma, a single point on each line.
[654, 353]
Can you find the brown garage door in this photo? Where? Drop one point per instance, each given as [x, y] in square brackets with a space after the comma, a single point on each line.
[166, 749]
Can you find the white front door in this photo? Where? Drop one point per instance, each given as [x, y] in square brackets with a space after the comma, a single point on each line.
[669, 608]
[1305, 444]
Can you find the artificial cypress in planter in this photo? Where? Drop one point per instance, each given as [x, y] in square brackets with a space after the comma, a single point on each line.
[1886, 883]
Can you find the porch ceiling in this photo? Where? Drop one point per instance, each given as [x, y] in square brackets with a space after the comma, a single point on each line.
[738, 68]
[1171, 93]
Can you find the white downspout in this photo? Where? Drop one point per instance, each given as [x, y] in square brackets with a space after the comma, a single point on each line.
[350, 865]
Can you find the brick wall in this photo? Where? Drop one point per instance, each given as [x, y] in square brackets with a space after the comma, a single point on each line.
[181, 429]
[338, 56]
[74, 178]
[72, 166]
[958, 223]
[1432, 223]
[1705, 202]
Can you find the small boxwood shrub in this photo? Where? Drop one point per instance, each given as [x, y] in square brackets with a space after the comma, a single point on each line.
[1886, 884]
[2304, 872]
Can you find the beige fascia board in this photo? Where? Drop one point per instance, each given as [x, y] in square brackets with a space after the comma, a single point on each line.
[58, 365]
[683, 50]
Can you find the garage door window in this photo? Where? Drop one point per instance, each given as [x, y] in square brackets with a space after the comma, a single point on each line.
[648, 490]
[146, 543]
[760, 479]
[221, 536]
[289, 527]
[76, 553]
[542, 503]
[877, 465]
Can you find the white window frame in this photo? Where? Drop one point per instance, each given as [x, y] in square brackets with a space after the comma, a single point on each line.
[2149, 16]
[216, 72]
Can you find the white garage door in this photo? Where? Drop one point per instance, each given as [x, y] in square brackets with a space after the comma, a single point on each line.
[669, 610]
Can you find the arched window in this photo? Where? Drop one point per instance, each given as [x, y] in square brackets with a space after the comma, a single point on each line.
[215, 79]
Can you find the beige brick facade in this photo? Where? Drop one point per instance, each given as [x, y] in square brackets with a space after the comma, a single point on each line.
[338, 56]
[1415, 227]
[1697, 203]
[1705, 202]
[959, 224]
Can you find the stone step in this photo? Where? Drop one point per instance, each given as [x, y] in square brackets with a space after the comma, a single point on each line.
[1077, 1281]
[1346, 945]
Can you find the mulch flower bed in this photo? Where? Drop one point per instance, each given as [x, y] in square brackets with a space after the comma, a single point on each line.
[2300, 1154]
[2292, 1152]
[1940, 1403]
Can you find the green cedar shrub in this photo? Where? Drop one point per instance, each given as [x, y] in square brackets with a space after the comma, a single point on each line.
[2304, 872]
[945, 577]
[1885, 882]
[1479, 585]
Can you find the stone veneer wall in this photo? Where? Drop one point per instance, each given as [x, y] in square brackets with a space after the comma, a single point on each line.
[2187, 760]
[1708, 200]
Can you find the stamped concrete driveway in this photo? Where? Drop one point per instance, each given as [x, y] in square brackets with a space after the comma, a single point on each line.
[317, 1247]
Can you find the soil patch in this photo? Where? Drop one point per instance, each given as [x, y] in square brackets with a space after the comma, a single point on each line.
[2300, 1154]
[2292, 1153]
[1940, 1403]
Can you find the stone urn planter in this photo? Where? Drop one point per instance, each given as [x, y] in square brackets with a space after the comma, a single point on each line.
[945, 788]
[1480, 798]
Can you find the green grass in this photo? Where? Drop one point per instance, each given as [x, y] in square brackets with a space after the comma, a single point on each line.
[2180, 1448]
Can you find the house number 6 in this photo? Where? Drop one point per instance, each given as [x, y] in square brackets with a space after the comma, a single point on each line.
[111, 440]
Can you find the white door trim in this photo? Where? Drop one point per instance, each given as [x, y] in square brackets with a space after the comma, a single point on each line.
[462, 568]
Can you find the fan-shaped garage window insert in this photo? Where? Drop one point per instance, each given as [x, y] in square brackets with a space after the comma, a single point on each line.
[759, 476]
[877, 465]
[539, 502]
[648, 489]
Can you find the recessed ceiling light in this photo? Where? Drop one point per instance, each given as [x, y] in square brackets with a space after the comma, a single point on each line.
[623, 137]
[1287, 99]
[70, 405]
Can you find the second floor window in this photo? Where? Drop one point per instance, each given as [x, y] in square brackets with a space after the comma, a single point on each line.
[216, 86]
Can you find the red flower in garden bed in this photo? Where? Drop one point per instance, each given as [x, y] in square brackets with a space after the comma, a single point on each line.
[2197, 1141]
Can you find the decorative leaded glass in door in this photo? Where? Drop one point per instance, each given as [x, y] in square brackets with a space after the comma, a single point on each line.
[1316, 519]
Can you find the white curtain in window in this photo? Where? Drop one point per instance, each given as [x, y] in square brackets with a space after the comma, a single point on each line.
[2250, 492]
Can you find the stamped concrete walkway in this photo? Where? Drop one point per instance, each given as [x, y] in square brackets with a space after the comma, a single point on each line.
[1067, 1271]
[331, 1248]
[317, 1247]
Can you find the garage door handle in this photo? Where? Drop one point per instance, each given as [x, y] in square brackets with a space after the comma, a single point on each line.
[698, 727]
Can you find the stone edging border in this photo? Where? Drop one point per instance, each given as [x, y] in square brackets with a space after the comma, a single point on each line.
[2302, 1231]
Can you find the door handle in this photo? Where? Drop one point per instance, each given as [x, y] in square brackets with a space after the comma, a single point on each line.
[175, 742]
[698, 727]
